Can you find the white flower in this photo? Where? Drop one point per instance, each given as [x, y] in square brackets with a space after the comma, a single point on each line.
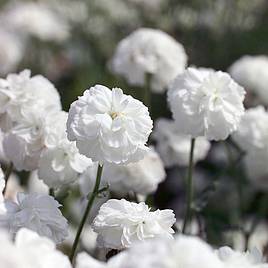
[141, 177]
[40, 251]
[37, 212]
[252, 132]
[149, 51]
[24, 143]
[11, 51]
[30, 251]
[109, 126]
[206, 103]
[252, 137]
[235, 259]
[182, 252]
[61, 163]
[252, 73]
[21, 93]
[173, 147]
[84, 260]
[2, 184]
[120, 223]
[35, 185]
[36, 19]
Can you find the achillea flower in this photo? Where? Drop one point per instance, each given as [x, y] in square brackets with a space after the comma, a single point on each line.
[60, 162]
[206, 103]
[21, 93]
[252, 73]
[36, 212]
[182, 252]
[236, 259]
[120, 223]
[149, 51]
[37, 130]
[141, 177]
[252, 132]
[29, 250]
[173, 147]
[109, 126]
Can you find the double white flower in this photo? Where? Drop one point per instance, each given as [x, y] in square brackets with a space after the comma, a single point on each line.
[149, 51]
[120, 223]
[37, 212]
[141, 177]
[206, 103]
[29, 250]
[109, 126]
[173, 147]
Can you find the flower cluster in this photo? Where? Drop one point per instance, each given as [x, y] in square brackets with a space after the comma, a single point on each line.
[149, 51]
[141, 177]
[120, 223]
[30, 250]
[109, 126]
[206, 103]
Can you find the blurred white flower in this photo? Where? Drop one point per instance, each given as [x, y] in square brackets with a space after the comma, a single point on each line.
[173, 147]
[258, 238]
[60, 163]
[109, 126]
[30, 251]
[236, 259]
[88, 238]
[182, 252]
[21, 93]
[36, 19]
[252, 73]
[11, 51]
[206, 103]
[120, 223]
[252, 137]
[37, 212]
[141, 177]
[35, 185]
[84, 260]
[149, 51]
[24, 143]
[2, 185]
[252, 132]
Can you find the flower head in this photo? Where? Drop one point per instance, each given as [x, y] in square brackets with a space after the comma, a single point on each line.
[36, 212]
[119, 223]
[206, 103]
[29, 250]
[252, 73]
[236, 259]
[149, 51]
[141, 177]
[109, 126]
[173, 147]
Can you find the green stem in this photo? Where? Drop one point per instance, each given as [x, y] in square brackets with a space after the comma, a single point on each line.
[51, 192]
[147, 92]
[7, 175]
[190, 193]
[88, 208]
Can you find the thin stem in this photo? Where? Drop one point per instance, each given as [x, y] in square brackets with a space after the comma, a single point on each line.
[51, 192]
[88, 208]
[147, 92]
[190, 193]
[7, 175]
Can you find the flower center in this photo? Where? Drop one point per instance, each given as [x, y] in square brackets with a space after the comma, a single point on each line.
[115, 114]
